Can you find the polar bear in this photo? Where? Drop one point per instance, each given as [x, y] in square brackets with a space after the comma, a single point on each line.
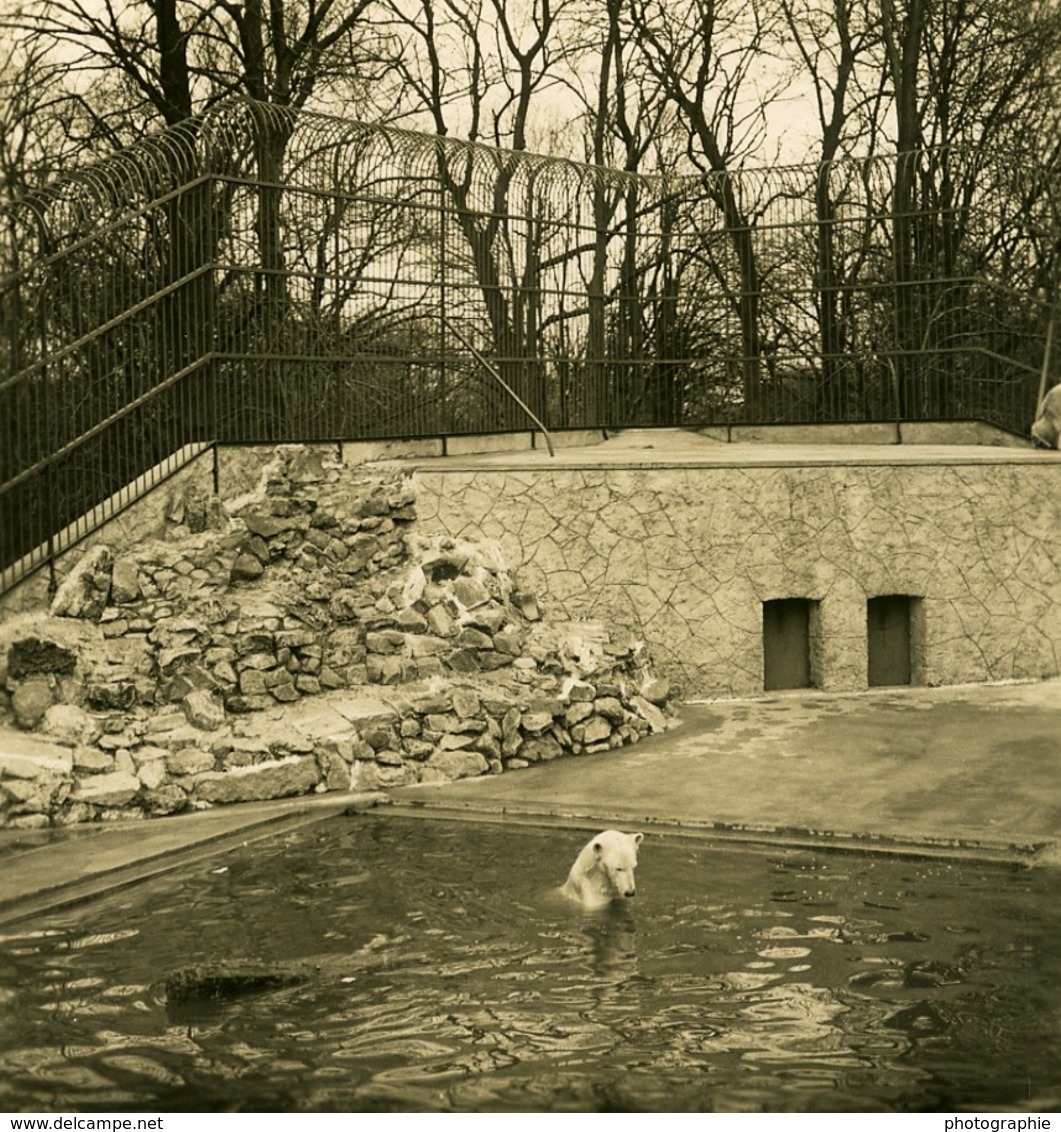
[1046, 432]
[604, 870]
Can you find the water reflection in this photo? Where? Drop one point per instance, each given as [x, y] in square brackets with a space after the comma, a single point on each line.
[436, 977]
[612, 936]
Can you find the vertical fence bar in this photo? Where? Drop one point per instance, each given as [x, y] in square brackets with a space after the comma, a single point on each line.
[443, 415]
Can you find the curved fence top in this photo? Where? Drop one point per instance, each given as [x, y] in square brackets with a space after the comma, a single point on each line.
[327, 153]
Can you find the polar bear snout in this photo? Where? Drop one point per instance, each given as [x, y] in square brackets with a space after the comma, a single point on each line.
[623, 882]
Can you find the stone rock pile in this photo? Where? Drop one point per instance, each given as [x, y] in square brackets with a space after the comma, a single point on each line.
[309, 641]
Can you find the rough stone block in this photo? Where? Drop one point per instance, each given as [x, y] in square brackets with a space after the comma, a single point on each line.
[280, 779]
[251, 682]
[469, 592]
[656, 691]
[242, 705]
[84, 591]
[386, 642]
[152, 774]
[455, 742]
[162, 800]
[466, 703]
[296, 639]
[410, 621]
[266, 526]
[463, 660]
[577, 712]
[536, 722]
[383, 669]
[24, 756]
[542, 748]
[330, 679]
[509, 641]
[256, 546]
[335, 771]
[246, 568]
[204, 710]
[456, 764]
[527, 605]
[469, 638]
[418, 748]
[594, 730]
[610, 707]
[440, 621]
[366, 776]
[276, 676]
[225, 673]
[91, 760]
[487, 745]
[125, 581]
[650, 713]
[189, 760]
[115, 789]
[30, 702]
[578, 691]
[422, 646]
[177, 656]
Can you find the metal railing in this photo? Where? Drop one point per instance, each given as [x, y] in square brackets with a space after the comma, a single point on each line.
[265, 276]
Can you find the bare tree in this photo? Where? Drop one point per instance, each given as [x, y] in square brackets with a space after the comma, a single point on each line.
[707, 59]
[836, 44]
[477, 71]
[973, 83]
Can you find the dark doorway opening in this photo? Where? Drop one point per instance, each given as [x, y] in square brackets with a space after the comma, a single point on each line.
[889, 632]
[787, 643]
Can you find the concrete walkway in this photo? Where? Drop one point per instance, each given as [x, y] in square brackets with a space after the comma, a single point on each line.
[973, 772]
[658, 448]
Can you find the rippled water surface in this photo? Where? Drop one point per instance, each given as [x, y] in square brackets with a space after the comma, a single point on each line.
[440, 973]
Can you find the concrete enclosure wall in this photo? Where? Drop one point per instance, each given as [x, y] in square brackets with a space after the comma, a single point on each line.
[686, 557]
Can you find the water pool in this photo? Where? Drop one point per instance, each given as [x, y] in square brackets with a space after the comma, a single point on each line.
[439, 973]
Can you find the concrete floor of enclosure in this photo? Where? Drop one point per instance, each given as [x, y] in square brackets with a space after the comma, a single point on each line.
[970, 772]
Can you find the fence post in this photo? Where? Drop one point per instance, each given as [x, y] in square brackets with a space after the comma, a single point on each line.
[443, 419]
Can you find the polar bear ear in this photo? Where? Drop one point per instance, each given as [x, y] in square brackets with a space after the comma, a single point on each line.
[638, 838]
[598, 848]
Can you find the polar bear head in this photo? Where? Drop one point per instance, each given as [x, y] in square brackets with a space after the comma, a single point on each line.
[616, 856]
[604, 870]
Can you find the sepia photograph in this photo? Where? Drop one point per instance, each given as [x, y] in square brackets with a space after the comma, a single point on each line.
[530, 561]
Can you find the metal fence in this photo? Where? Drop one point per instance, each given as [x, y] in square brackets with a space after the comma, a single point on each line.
[265, 276]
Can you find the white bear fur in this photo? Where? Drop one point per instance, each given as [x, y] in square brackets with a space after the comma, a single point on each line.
[604, 870]
[1047, 429]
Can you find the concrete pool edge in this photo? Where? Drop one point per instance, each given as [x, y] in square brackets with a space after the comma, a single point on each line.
[44, 879]
[1007, 851]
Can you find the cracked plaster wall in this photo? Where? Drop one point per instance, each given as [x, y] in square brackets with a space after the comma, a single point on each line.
[685, 558]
